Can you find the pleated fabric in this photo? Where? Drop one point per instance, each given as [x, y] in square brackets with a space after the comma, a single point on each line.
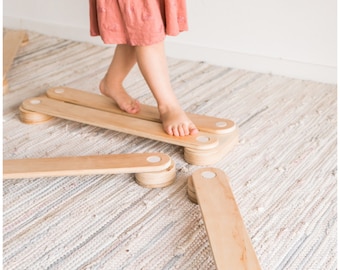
[137, 22]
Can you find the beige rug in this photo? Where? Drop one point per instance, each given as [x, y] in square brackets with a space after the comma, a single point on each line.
[283, 172]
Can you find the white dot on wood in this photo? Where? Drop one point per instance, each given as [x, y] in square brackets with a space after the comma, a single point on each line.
[221, 124]
[208, 175]
[153, 159]
[35, 101]
[202, 139]
[59, 91]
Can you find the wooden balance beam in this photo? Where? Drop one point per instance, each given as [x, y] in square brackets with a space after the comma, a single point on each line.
[228, 237]
[216, 136]
[152, 170]
[12, 41]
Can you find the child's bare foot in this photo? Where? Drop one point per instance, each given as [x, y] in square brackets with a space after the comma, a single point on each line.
[124, 100]
[176, 123]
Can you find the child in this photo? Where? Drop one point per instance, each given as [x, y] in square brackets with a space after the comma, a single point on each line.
[139, 28]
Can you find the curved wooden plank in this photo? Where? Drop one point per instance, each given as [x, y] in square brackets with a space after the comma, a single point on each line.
[227, 234]
[86, 165]
[204, 123]
[121, 123]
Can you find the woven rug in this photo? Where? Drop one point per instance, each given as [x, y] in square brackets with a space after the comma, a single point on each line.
[283, 171]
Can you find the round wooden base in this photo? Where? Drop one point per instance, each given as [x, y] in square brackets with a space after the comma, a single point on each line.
[191, 191]
[29, 117]
[209, 157]
[157, 179]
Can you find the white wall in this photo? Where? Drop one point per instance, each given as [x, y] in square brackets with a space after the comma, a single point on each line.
[295, 38]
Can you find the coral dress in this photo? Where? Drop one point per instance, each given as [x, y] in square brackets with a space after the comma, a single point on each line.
[137, 22]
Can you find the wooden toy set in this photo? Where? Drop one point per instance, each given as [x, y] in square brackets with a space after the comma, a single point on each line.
[209, 187]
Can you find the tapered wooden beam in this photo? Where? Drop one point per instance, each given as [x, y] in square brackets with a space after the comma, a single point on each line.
[121, 123]
[12, 41]
[204, 123]
[228, 237]
[151, 169]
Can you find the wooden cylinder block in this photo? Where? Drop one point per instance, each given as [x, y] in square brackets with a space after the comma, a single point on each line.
[30, 117]
[191, 191]
[157, 179]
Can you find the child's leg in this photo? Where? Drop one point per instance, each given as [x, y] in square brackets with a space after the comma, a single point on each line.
[152, 63]
[112, 84]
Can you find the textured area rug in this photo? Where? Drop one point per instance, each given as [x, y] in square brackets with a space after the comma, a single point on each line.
[283, 171]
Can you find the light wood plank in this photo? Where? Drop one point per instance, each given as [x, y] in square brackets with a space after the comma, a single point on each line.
[86, 165]
[12, 41]
[204, 123]
[121, 123]
[227, 234]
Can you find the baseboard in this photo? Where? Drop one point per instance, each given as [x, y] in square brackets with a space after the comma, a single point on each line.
[195, 52]
[256, 63]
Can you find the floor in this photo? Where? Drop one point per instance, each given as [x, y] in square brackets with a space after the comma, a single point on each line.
[283, 172]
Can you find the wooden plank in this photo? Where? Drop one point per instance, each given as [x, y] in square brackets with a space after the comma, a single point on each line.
[12, 41]
[86, 165]
[5, 87]
[229, 240]
[121, 123]
[204, 123]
